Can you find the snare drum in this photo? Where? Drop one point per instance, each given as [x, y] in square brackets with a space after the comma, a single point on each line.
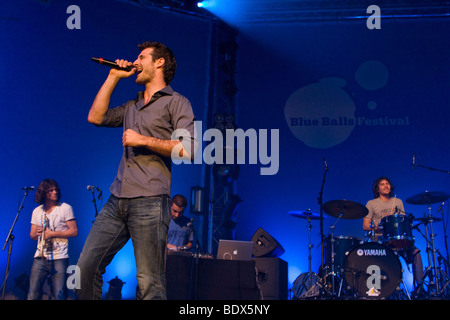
[397, 231]
[373, 271]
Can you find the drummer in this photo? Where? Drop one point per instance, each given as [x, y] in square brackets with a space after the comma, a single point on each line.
[385, 204]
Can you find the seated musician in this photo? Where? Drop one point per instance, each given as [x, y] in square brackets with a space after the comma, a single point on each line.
[180, 234]
[383, 205]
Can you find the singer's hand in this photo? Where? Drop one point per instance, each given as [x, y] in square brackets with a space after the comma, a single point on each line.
[131, 138]
[122, 73]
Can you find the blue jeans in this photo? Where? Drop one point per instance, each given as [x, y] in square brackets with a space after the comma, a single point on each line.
[145, 220]
[55, 270]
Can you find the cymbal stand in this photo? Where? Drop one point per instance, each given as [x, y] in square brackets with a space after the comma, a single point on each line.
[440, 278]
[432, 269]
[320, 202]
[433, 251]
[306, 280]
[444, 278]
[442, 171]
[333, 273]
[309, 244]
[444, 226]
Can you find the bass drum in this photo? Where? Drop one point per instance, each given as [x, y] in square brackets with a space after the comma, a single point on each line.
[372, 271]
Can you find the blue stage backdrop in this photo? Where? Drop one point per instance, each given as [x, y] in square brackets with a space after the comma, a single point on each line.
[365, 101]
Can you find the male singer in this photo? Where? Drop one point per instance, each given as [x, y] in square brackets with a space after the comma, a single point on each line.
[138, 207]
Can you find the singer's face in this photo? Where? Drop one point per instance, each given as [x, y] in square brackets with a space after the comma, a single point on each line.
[384, 187]
[176, 211]
[146, 67]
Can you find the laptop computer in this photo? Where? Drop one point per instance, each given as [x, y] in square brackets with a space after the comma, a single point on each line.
[235, 250]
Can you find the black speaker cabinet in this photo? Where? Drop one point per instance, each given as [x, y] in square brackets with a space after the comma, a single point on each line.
[272, 275]
[266, 245]
[217, 279]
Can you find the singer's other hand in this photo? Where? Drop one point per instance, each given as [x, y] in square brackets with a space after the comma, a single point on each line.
[131, 138]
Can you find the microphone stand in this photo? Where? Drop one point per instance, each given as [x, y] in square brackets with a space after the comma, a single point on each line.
[432, 169]
[10, 239]
[95, 203]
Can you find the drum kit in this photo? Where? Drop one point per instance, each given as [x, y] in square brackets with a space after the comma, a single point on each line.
[356, 269]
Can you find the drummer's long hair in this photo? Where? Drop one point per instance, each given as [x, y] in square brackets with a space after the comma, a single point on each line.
[375, 187]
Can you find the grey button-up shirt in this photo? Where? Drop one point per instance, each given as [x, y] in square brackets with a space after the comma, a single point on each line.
[143, 172]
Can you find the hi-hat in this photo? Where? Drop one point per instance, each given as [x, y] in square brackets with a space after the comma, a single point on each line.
[428, 197]
[305, 215]
[345, 209]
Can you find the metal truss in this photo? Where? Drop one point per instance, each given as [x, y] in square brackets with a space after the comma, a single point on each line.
[188, 7]
[332, 10]
[282, 11]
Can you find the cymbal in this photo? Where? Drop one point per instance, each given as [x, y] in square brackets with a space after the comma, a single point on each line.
[305, 215]
[345, 209]
[428, 197]
[427, 219]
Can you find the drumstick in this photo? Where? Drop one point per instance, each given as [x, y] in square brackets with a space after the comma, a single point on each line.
[395, 198]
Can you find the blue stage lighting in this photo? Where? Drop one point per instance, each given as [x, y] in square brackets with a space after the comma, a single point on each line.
[202, 4]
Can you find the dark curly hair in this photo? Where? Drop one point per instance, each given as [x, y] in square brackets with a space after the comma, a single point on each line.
[162, 51]
[43, 188]
[375, 187]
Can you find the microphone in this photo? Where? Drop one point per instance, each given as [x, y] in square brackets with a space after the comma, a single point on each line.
[414, 161]
[189, 224]
[440, 208]
[111, 64]
[28, 188]
[100, 192]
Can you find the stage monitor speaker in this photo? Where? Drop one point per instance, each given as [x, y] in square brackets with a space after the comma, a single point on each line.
[265, 245]
[272, 278]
